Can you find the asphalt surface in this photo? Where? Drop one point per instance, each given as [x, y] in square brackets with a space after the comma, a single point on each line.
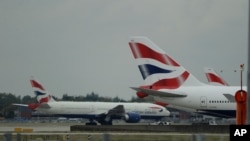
[37, 127]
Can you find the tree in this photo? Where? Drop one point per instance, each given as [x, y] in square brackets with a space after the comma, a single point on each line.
[28, 99]
[116, 99]
[92, 97]
[7, 100]
[136, 99]
[67, 98]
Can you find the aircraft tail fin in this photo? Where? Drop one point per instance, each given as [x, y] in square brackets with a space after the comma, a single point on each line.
[158, 69]
[213, 77]
[42, 95]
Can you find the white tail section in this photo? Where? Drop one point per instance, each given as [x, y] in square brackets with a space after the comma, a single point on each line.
[157, 68]
[42, 95]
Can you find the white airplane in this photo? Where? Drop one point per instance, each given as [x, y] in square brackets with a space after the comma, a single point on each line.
[102, 112]
[214, 78]
[169, 82]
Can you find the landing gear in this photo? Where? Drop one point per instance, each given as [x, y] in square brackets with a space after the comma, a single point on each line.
[102, 122]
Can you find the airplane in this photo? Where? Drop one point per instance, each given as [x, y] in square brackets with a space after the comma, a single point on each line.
[96, 112]
[169, 82]
[214, 78]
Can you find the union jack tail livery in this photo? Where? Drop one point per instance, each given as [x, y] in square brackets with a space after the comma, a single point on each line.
[42, 95]
[169, 82]
[158, 69]
[214, 78]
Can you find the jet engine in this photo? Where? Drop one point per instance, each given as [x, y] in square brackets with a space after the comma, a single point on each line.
[132, 117]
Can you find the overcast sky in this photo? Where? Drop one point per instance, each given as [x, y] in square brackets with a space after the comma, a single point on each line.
[81, 46]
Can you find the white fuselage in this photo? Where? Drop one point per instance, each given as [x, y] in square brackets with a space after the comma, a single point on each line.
[87, 109]
[204, 98]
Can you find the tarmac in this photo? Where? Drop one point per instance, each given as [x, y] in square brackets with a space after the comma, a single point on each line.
[62, 131]
[37, 127]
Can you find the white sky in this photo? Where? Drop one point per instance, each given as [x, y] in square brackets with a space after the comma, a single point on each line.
[81, 46]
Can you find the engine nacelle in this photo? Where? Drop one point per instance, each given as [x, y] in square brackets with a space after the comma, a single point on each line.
[132, 118]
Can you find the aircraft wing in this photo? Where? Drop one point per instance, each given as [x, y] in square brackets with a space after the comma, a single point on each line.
[159, 93]
[22, 105]
[117, 111]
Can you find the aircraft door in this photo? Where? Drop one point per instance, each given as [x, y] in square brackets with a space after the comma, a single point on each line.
[203, 102]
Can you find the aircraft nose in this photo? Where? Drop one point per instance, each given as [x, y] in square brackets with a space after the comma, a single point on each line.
[167, 112]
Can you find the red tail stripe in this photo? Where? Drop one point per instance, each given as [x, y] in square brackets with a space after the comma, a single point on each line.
[146, 52]
[44, 100]
[33, 106]
[172, 83]
[214, 78]
[36, 85]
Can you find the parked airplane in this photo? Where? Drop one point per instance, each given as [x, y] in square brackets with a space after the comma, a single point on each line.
[169, 82]
[102, 112]
[213, 77]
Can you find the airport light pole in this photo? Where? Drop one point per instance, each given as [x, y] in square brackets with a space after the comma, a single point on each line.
[248, 72]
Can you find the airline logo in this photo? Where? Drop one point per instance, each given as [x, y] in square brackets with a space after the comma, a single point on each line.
[170, 75]
[158, 108]
[140, 50]
[212, 76]
[148, 69]
[45, 99]
[154, 110]
[40, 92]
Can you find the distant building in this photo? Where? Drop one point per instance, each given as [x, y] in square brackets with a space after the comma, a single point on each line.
[24, 113]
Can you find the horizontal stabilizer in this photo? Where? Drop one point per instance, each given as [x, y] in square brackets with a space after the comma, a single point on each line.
[229, 97]
[160, 93]
[22, 105]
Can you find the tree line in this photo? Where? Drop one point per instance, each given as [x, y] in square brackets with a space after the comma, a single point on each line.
[7, 99]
